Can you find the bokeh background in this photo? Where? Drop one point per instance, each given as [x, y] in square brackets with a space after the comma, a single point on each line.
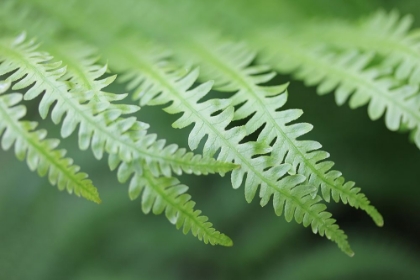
[46, 234]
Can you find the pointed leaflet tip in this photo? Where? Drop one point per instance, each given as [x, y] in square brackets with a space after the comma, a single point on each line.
[379, 220]
[4, 85]
[227, 241]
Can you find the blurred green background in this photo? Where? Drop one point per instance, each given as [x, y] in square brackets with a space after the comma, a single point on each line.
[46, 234]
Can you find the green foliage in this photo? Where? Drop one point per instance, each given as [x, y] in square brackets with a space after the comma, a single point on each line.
[181, 64]
[101, 126]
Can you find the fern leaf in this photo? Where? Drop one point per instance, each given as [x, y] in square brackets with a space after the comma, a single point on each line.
[100, 124]
[158, 83]
[167, 194]
[228, 65]
[387, 34]
[350, 74]
[40, 153]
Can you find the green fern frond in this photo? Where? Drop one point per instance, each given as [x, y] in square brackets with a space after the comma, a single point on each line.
[387, 34]
[40, 153]
[100, 124]
[277, 165]
[350, 74]
[161, 194]
[229, 65]
[167, 194]
[158, 83]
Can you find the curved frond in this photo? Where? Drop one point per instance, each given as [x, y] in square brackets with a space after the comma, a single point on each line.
[387, 34]
[229, 65]
[352, 77]
[100, 123]
[157, 82]
[167, 194]
[40, 153]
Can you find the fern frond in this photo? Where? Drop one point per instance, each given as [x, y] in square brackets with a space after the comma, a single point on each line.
[167, 194]
[229, 66]
[40, 153]
[387, 34]
[350, 74]
[158, 83]
[100, 124]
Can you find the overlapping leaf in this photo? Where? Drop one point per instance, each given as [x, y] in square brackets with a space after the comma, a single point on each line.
[101, 124]
[77, 91]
